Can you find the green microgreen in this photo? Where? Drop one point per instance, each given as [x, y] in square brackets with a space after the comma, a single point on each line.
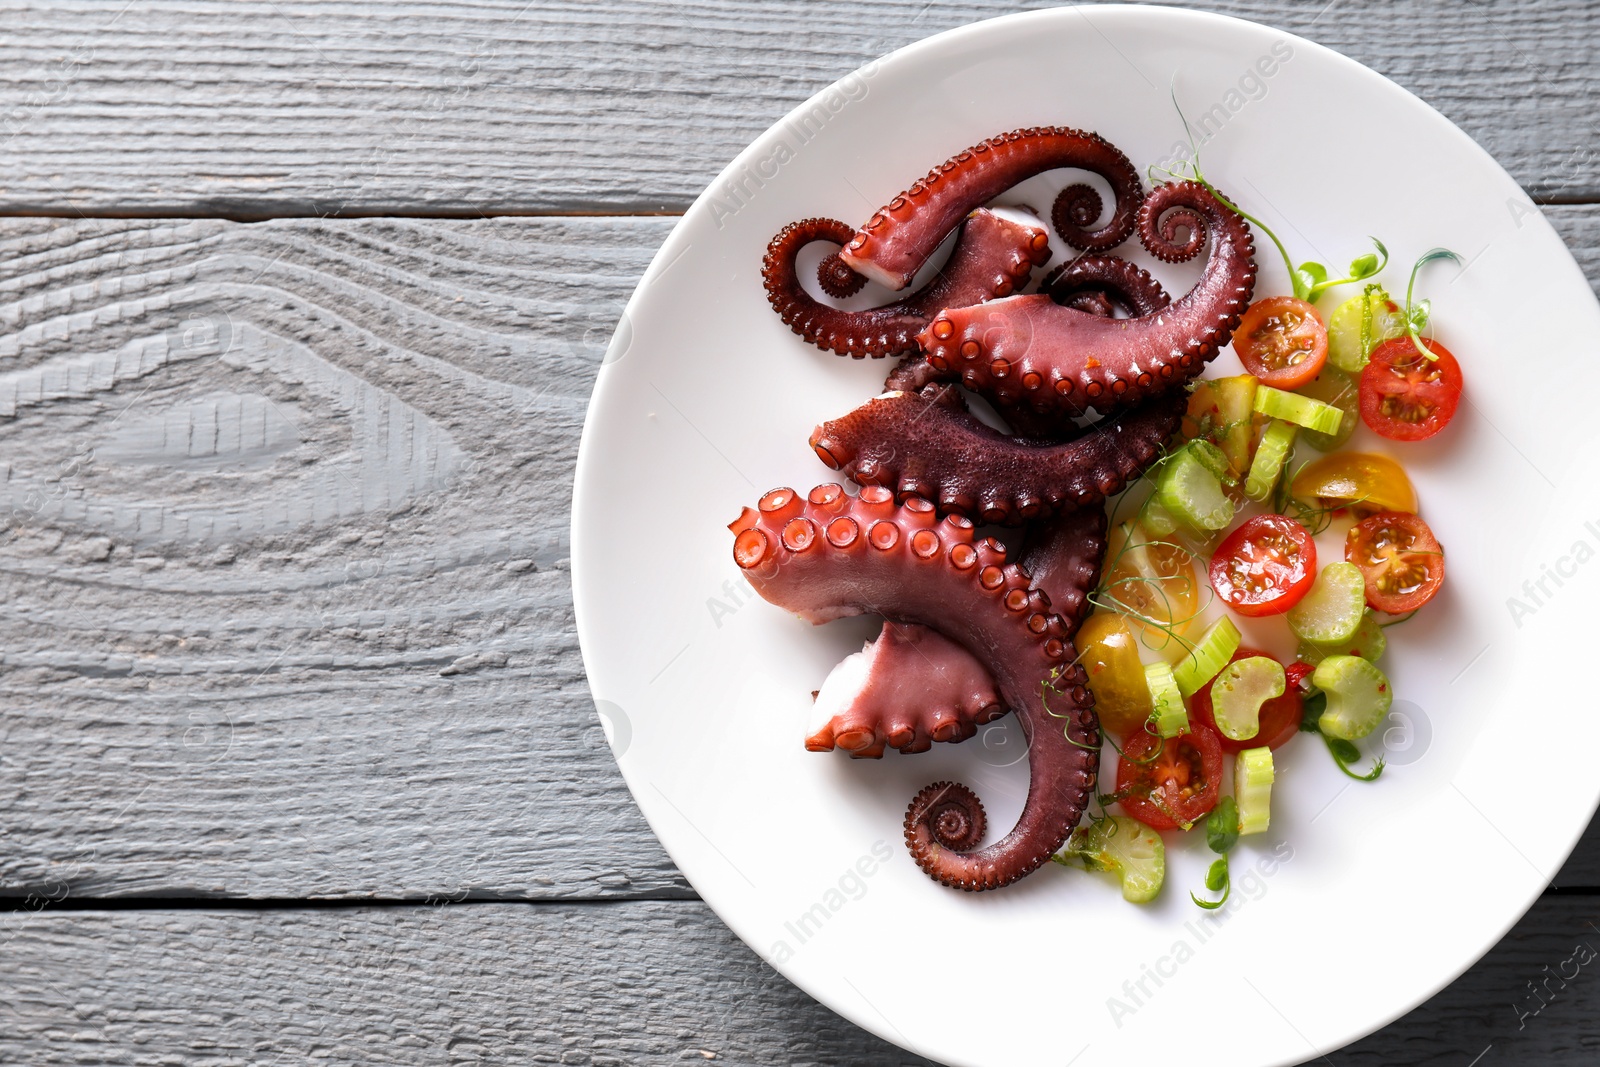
[1417, 311]
[1222, 826]
[1217, 881]
[1222, 833]
[1346, 754]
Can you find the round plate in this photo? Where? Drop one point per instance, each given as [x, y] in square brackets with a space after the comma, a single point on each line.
[1361, 900]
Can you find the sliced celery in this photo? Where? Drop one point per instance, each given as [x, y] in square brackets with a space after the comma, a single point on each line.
[1213, 652]
[1300, 410]
[1238, 693]
[1358, 697]
[1170, 715]
[1367, 642]
[1124, 847]
[1252, 789]
[1333, 610]
[1333, 386]
[1189, 486]
[1265, 470]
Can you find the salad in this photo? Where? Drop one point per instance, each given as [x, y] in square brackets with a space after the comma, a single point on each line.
[1227, 526]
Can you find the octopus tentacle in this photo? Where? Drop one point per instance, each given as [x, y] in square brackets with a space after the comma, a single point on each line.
[919, 447]
[1030, 351]
[1063, 558]
[907, 689]
[1106, 278]
[911, 375]
[1075, 209]
[835, 277]
[944, 815]
[827, 555]
[1095, 285]
[993, 257]
[912, 686]
[1088, 301]
[900, 237]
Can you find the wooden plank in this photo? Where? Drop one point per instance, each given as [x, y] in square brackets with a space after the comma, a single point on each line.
[288, 107]
[600, 983]
[295, 619]
[1579, 226]
[199, 697]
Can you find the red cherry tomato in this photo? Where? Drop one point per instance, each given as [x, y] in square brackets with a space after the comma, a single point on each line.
[1405, 397]
[1179, 786]
[1265, 566]
[1282, 341]
[1280, 716]
[1297, 678]
[1400, 559]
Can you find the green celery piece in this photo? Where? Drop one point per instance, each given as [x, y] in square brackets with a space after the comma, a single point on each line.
[1358, 697]
[1240, 690]
[1332, 612]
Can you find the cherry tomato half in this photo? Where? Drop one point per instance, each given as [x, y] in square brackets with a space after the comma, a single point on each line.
[1405, 397]
[1265, 566]
[1400, 560]
[1282, 341]
[1280, 716]
[1363, 481]
[1179, 786]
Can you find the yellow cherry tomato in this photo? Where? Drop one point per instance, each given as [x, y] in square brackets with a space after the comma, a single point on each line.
[1152, 582]
[1221, 410]
[1107, 651]
[1365, 482]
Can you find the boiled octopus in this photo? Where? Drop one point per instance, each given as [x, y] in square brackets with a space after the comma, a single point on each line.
[993, 257]
[828, 555]
[969, 634]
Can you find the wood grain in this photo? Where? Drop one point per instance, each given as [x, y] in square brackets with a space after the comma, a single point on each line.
[615, 983]
[287, 513]
[254, 108]
[301, 658]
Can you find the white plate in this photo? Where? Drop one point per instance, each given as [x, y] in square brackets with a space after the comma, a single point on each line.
[1362, 900]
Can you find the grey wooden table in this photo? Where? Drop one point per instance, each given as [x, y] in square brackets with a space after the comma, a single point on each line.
[297, 752]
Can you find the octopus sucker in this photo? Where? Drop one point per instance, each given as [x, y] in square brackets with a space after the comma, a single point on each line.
[965, 467]
[892, 246]
[1031, 666]
[1111, 362]
[994, 257]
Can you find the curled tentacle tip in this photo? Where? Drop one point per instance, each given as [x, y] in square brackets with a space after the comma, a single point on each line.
[950, 814]
[837, 278]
